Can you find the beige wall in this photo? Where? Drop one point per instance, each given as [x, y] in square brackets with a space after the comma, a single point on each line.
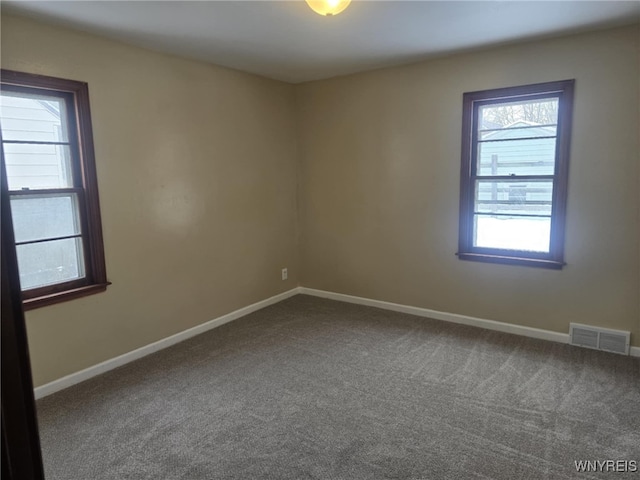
[197, 176]
[380, 155]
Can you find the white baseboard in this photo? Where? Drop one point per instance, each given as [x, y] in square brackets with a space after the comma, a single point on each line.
[634, 351]
[447, 317]
[120, 360]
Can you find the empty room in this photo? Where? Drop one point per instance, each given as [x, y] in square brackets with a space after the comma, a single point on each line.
[322, 239]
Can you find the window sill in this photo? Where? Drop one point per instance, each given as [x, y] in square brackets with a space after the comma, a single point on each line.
[32, 303]
[507, 260]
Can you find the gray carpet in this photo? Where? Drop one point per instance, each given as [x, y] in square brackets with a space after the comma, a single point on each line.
[312, 388]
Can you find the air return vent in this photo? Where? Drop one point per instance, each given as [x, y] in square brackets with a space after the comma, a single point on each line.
[616, 341]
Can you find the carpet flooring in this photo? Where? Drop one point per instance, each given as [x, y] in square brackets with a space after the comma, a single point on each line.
[317, 389]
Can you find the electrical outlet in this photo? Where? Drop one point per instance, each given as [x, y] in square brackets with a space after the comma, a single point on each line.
[285, 274]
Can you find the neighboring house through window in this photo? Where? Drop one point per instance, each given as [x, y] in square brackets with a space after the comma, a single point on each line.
[515, 157]
[47, 152]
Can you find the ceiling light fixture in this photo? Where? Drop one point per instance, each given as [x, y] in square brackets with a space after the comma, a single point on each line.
[328, 7]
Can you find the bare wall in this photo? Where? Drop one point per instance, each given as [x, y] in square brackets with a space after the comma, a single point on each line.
[197, 177]
[380, 166]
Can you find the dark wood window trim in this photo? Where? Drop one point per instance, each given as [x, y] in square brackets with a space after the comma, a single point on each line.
[554, 259]
[85, 184]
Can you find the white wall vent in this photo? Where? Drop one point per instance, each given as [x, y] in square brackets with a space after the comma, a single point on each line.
[616, 341]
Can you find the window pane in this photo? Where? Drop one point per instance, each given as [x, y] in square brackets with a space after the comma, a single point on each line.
[37, 217]
[47, 263]
[38, 166]
[522, 197]
[26, 116]
[512, 233]
[517, 157]
[518, 114]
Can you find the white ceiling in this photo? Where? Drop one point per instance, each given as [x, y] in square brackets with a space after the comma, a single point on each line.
[288, 41]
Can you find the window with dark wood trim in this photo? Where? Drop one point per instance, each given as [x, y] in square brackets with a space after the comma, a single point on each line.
[513, 186]
[47, 148]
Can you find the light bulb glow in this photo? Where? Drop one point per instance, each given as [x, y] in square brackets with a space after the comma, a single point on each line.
[328, 7]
